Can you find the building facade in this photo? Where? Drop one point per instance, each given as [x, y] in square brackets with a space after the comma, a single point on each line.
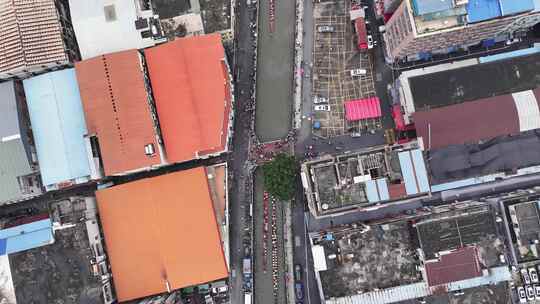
[36, 36]
[418, 28]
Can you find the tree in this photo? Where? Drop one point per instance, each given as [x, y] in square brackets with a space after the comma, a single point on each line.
[279, 176]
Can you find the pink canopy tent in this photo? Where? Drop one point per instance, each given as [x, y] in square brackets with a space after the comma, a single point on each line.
[363, 108]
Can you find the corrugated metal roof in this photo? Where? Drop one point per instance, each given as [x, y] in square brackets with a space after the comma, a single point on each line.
[467, 122]
[9, 114]
[168, 234]
[510, 7]
[414, 172]
[27, 236]
[190, 83]
[97, 36]
[14, 162]
[387, 295]
[481, 10]
[58, 126]
[117, 110]
[527, 109]
[362, 108]
[456, 266]
[512, 54]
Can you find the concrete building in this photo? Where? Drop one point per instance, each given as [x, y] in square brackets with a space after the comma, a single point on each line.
[58, 125]
[420, 27]
[104, 26]
[19, 177]
[36, 36]
[361, 179]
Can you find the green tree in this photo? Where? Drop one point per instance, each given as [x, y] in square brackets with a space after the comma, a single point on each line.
[279, 176]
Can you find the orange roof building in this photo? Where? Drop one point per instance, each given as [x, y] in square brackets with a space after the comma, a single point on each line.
[118, 111]
[161, 233]
[191, 85]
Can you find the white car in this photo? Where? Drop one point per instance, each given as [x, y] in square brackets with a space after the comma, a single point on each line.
[525, 276]
[325, 29]
[530, 292]
[320, 99]
[533, 275]
[521, 294]
[321, 108]
[358, 72]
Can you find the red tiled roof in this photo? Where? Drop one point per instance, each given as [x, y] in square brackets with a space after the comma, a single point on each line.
[190, 83]
[459, 265]
[467, 122]
[116, 108]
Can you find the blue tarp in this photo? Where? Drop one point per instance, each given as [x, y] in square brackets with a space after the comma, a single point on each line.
[508, 55]
[480, 10]
[422, 7]
[25, 237]
[510, 7]
[58, 126]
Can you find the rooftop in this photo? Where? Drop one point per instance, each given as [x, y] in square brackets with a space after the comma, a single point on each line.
[29, 39]
[58, 126]
[122, 25]
[475, 82]
[454, 230]
[15, 160]
[146, 242]
[358, 261]
[478, 120]
[504, 154]
[362, 178]
[455, 266]
[190, 80]
[117, 110]
[524, 223]
[436, 15]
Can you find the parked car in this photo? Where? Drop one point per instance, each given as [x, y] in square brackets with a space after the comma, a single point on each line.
[530, 292]
[299, 291]
[369, 42]
[537, 292]
[325, 29]
[321, 108]
[298, 272]
[320, 99]
[525, 276]
[358, 72]
[521, 294]
[533, 275]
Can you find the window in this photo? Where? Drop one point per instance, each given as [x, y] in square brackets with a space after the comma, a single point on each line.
[110, 13]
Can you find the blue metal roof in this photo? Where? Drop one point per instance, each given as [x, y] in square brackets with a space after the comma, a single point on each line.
[422, 7]
[414, 172]
[508, 55]
[58, 126]
[377, 190]
[27, 236]
[510, 7]
[480, 10]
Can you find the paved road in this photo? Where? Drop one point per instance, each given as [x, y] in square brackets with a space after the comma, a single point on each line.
[238, 202]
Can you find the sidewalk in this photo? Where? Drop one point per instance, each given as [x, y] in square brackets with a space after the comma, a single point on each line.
[298, 57]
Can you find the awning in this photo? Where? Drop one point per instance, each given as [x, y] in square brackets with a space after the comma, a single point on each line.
[398, 117]
[363, 108]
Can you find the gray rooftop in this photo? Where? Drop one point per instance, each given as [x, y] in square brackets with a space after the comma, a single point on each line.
[501, 154]
[14, 159]
[9, 114]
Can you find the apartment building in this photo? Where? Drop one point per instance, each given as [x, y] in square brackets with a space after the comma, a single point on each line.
[418, 28]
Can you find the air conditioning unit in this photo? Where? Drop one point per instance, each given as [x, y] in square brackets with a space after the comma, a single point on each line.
[460, 2]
